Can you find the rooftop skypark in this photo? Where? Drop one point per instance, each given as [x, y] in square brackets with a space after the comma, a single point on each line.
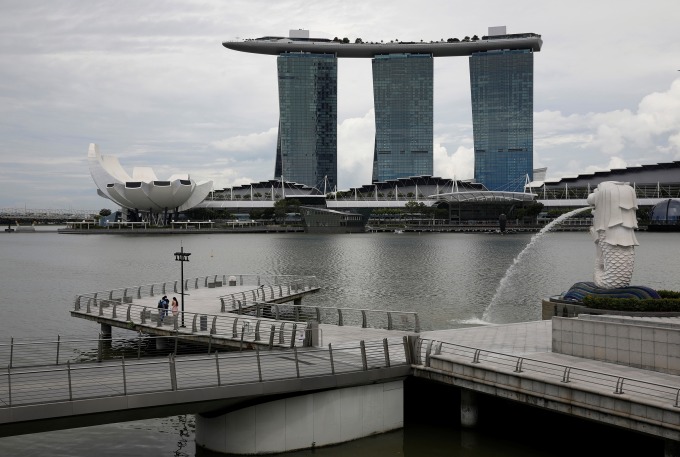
[275, 45]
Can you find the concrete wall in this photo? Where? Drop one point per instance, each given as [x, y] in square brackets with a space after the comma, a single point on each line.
[650, 346]
[305, 421]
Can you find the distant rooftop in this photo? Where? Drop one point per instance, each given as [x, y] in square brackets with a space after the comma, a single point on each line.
[299, 41]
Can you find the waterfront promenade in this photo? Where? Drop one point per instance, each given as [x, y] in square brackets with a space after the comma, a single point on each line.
[510, 361]
[523, 362]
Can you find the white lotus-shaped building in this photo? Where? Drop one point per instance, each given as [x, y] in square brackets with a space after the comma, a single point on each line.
[143, 191]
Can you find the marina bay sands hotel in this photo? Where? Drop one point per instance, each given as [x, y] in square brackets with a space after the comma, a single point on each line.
[501, 82]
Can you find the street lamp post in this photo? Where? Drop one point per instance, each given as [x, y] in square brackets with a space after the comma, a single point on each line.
[182, 257]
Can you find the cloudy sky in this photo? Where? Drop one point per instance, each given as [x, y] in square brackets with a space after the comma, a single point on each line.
[150, 82]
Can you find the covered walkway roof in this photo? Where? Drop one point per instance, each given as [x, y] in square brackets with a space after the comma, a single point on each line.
[485, 196]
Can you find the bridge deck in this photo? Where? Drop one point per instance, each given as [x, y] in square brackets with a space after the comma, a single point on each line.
[211, 316]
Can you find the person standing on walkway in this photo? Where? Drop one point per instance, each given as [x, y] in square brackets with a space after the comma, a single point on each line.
[175, 307]
[163, 307]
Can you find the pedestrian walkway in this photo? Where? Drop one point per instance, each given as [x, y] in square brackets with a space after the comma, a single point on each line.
[533, 340]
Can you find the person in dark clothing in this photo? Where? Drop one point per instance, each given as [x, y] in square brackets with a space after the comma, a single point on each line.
[163, 304]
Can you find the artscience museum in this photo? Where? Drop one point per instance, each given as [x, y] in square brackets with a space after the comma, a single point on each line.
[143, 192]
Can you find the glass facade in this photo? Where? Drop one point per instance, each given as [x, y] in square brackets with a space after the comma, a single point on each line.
[306, 151]
[402, 94]
[666, 211]
[502, 90]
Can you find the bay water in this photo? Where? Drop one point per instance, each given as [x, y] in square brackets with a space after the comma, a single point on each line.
[449, 279]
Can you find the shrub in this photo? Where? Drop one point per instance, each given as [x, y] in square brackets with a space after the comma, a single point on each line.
[670, 302]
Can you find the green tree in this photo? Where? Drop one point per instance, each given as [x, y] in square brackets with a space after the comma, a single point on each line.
[286, 205]
[104, 212]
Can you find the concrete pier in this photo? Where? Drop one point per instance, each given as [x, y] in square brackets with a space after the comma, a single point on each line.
[305, 421]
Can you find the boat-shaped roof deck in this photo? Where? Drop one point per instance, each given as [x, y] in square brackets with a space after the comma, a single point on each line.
[280, 45]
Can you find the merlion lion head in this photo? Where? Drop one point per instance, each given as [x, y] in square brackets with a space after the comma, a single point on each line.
[614, 204]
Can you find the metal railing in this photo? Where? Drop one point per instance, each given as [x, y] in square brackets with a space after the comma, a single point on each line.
[664, 395]
[128, 294]
[224, 326]
[364, 318]
[269, 291]
[22, 354]
[71, 382]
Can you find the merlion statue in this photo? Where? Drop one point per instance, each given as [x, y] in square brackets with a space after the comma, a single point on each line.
[614, 224]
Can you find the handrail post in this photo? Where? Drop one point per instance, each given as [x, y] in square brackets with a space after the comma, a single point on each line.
[475, 357]
[518, 366]
[257, 330]
[293, 336]
[128, 312]
[389, 321]
[176, 338]
[234, 331]
[619, 386]
[259, 365]
[297, 364]
[363, 319]
[58, 346]
[173, 372]
[408, 350]
[567, 371]
[217, 367]
[213, 328]
[240, 344]
[70, 388]
[339, 317]
[364, 361]
[318, 314]
[330, 354]
[9, 385]
[417, 324]
[271, 336]
[100, 348]
[122, 360]
[193, 324]
[387, 352]
[113, 314]
[427, 353]
[11, 352]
